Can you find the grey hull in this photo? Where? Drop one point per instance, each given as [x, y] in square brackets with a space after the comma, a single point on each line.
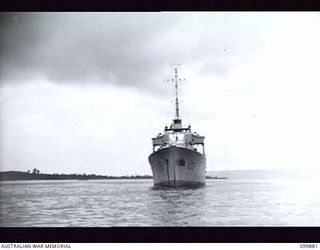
[178, 167]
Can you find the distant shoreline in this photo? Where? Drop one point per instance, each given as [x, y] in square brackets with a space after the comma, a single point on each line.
[21, 176]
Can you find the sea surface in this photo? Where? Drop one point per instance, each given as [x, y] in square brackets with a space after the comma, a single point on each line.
[107, 203]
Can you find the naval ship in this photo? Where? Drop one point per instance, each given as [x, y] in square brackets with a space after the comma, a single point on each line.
[178, 158]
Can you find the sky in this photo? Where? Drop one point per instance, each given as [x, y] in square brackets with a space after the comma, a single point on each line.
[84, 92]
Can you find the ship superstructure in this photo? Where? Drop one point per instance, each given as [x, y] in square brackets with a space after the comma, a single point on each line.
[178, 158]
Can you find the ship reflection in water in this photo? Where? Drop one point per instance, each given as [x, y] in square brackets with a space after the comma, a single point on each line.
[178, 207]
[104, 203]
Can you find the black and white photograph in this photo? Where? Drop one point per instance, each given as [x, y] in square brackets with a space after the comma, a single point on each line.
[159, 119]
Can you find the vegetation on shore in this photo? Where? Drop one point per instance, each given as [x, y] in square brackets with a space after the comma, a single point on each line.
[19, 175]
[36, 175]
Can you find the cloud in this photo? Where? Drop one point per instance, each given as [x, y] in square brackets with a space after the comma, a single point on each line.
[79, 91]
[79, 48]
[123, 49]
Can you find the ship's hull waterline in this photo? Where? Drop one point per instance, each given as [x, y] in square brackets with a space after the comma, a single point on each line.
[178, 167]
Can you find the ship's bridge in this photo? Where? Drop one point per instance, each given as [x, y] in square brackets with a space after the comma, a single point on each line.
[178, 136]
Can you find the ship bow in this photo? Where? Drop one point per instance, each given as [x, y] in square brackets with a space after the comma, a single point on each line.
[178, 167]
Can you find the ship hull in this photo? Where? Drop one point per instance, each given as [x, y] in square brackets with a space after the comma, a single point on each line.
[178, 167]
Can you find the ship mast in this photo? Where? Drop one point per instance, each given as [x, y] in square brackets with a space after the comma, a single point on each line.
[176, 86]
[176, 80]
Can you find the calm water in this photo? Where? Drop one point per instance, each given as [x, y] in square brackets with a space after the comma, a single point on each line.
[135, 203]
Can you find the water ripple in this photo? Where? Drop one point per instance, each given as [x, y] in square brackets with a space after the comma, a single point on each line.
[137, 203]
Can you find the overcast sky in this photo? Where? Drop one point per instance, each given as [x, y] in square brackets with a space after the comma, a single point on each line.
[84, 92]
